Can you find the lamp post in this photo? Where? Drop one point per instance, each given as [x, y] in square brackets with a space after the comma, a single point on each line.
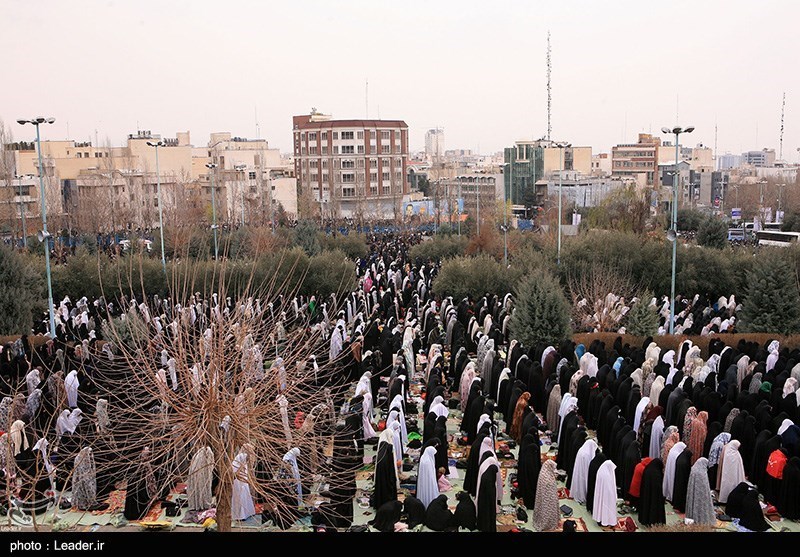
[44, 236]
[505, 212]
[561, 147]
[673, 231]
[211, 166]
[241, 168]
[158, 144]
[22, 216]
[478, 205]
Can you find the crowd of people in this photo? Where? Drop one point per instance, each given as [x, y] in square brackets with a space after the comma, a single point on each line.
[413, 379]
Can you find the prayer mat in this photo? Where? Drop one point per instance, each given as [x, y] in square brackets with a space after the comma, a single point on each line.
[580, 524]
[116, 501]
[508, 463]
[152, 515]
[563, 493]
[507, 519]
[364, 475]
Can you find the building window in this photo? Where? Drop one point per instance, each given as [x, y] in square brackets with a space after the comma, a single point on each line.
[347, 135]
[373, 177]
[396, 149]
[360, 135]
[372, 134]
[387, 189]
[386, 176]
[303, 151]
[324, 176]
[385, 163]
[324, 164]
[312, 136]
[335, 135]
[251, 175]
[397, 136]
[80, 155]
[385, 149]
[348, 163]
[360, 163]
[312, 150]
[336, 150]
[385, 135]
[373, 163]
[348, 177]
[348, 150]
[348, 191]
[324, 150]
[360, 149]
[314, 177]
[373, 189]
[313, 164]
[324, 136]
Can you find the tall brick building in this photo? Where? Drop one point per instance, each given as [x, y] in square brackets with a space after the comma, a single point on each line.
[350, 168]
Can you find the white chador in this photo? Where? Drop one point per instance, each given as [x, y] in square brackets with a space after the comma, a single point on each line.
[669, 469]
[242, 505]
[71, 385]
[604, 507]
[580, 472]
[427, 486]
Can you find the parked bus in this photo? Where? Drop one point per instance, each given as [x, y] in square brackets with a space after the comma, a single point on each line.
[776, 238]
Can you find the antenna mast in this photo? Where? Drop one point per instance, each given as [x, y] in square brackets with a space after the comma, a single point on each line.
[783, 109]
[549, 67]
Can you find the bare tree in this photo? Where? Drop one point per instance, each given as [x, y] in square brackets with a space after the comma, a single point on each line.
[600, 298]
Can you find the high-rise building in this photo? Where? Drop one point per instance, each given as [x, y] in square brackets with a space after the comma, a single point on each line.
[350, 167]
[637, 160]
[765, 157]
[434, 145]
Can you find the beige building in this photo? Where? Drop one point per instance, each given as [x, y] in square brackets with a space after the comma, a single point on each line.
[103, 188]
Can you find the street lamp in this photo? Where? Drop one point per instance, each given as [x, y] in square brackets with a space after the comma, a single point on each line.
[241, 168]
[158, 144]
[44, 235]
[561, 147]
[505, 211]
[22, 209]
[673, 231]
[211, 166]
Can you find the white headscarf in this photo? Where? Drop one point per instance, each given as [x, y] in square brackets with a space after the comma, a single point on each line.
[637, 418]
[786, 424]
[668, 483]
[366, 417]
[71, 385]
[580, 472]
[19, 441]
[656, 434]
[732, 470]
[427, 485]
[291, 457]
[604, 507]
[33, 380]
[773, 348]
[484, 467]
[438, 407]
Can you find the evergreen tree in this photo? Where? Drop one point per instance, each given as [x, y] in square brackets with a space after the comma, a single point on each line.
[21, 293]
[541, 312]
[642, 319]
[305, 236]
[772, 304]
[713, 233]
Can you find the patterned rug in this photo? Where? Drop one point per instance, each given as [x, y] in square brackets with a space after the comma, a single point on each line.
[152, 515]
[563, 493]
[116, 501]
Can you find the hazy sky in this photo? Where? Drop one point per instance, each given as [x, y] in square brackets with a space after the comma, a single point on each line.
[477, 69]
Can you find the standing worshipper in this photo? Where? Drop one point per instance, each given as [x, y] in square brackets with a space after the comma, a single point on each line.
[385, 479]
[242, 505]
[545, 511]
[604, 507]
[427, 486]
[490, 491]
[732, 472]
[141, 488]
[651, 495]
[699, 504]
[201, 474]
[71, 384]
[84, 481]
